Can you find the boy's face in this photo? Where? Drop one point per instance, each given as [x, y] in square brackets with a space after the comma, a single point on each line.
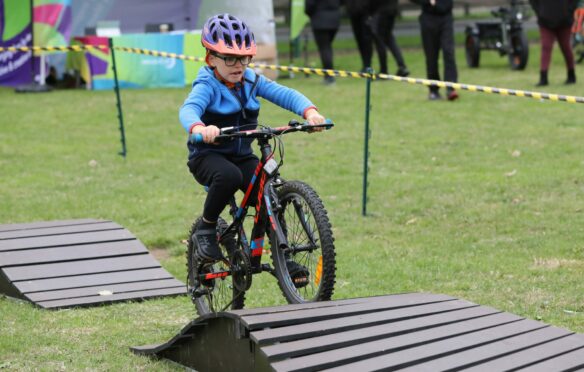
[232, 73]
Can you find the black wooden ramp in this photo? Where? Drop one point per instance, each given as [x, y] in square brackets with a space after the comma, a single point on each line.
[59, 264]
[412, 331]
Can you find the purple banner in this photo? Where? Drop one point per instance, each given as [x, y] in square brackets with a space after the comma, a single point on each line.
[15, 31]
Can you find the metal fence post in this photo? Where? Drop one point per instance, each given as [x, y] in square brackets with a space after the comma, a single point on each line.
[118, 99]
[367, 135]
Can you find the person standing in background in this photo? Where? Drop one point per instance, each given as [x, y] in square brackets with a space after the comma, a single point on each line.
[325, 20]
[359, 14]
[383, 13]
[555, 18]
[437, 28]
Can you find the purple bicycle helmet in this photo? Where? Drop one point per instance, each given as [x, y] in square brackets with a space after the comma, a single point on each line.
[227, 34]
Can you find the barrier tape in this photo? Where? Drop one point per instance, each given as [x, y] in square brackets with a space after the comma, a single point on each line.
[321, 72]
[305, 70]
[71, 48]
[486, 89]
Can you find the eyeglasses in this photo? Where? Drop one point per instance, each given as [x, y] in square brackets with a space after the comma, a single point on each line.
[232, 60]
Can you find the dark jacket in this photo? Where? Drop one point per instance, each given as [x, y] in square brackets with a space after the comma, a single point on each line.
[385, 6]
[358, 7]
[442, 7]
[554, 14]
[324, 14]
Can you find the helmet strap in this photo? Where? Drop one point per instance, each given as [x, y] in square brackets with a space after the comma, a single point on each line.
[207, 54]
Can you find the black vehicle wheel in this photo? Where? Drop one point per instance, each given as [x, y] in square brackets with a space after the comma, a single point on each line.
[519, 50]
[473, 50]
[215, 294]
[306, 272]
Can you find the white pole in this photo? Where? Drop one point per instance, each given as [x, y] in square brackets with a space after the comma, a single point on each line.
[42, 71]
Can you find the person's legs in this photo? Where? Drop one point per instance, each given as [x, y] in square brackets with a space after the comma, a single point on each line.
[547, 37]
[363, 37]
[324, 41]
[447, 46]
[375, 24]
[431, 44]
[325, 50]
[385, 29]
[564, 37]
[247, 166]
[223, 179]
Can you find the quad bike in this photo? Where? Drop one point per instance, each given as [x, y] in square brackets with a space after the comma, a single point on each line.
[505, 35]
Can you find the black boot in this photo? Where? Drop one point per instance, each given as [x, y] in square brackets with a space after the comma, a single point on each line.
[543, 79]
[571, 77]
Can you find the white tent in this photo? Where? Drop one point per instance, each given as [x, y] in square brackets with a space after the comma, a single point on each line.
[133, 16]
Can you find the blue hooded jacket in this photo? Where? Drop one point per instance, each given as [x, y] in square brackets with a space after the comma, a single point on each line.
[211, 102]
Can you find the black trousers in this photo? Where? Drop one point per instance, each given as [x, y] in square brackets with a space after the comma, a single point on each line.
[324, 41]
[363, 36]
[382, 24]
[224, 175]
[438, 34]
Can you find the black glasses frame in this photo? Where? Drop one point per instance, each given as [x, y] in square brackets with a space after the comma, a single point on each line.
[232, 60]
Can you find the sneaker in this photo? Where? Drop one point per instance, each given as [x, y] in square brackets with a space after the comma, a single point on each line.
[207, 246]
[298, 273]
[329, 80]
[452, 95]
[434, 96]
[403, 72]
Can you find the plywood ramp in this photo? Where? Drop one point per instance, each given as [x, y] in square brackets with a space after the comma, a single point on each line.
[412, 331]
[59, 264]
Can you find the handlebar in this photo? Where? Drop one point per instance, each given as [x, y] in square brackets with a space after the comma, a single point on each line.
[230, 133]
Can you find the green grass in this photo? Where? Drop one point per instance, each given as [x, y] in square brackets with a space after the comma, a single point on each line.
[479, 199]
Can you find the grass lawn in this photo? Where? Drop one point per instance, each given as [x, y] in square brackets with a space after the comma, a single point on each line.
[480, 199]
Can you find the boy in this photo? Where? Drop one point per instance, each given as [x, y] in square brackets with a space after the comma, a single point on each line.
[224, 94]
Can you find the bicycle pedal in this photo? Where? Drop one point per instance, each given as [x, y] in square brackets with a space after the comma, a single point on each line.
[301, 282]
[201, 292]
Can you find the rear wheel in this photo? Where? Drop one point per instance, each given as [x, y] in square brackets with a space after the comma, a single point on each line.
[217, 293]
[519, 50]
[305, 224]
[473, 50]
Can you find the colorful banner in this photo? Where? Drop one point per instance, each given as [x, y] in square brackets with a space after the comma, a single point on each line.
[15, 31]
[52, 22]
[298, 19]
[138, 70]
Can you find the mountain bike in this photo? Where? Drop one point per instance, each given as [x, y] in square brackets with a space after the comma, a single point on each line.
[292, 215]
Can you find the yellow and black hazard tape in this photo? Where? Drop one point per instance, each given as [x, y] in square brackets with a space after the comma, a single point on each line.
[485, 89]
[156, 53]
[306, 70]
[70, 48]
[318, 71]
[366, 75]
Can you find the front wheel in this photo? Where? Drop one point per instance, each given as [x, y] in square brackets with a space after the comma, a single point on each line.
[310, 253]
[210, 290]
[519, 50]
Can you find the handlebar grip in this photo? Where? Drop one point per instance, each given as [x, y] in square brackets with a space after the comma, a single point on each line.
[196, 138]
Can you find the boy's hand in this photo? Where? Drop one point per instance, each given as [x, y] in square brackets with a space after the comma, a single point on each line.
[208, 132]
[313, 118]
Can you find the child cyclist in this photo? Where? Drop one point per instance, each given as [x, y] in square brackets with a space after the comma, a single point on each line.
[225, 94]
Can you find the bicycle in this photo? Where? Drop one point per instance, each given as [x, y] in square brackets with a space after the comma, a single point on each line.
[295, 220]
